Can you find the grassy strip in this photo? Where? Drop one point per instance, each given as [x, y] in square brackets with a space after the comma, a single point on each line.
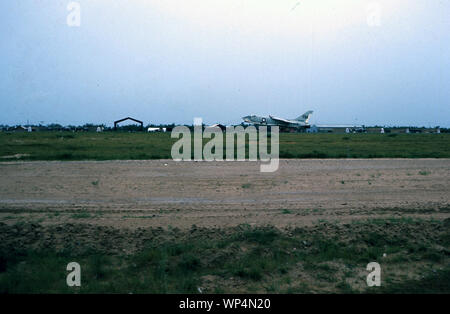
[141, 146]
[434, 282]
[326, 258]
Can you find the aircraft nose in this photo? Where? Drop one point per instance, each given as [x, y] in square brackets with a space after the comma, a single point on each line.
[246, 118]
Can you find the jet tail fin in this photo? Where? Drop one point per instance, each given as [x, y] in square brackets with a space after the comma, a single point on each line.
[305, 117]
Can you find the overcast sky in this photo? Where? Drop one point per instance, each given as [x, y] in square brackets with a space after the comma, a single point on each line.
[351, 61]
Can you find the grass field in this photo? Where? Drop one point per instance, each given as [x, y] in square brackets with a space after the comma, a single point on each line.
[128, 146]
[326, 258]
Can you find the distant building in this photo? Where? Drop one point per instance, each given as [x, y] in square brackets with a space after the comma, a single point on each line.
[18, 128]
[218, 125]
[116, 123]
[336, 129]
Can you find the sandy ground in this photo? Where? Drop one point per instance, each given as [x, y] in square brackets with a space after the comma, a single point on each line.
[163, 193]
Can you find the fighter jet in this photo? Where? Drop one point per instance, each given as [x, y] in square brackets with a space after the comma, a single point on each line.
[297, 123]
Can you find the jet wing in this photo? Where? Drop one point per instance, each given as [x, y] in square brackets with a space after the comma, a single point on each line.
[282, 121]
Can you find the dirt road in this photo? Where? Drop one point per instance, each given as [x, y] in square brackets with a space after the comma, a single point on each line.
[163, 193]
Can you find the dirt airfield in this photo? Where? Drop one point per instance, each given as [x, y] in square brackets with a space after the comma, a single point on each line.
[166, 194]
